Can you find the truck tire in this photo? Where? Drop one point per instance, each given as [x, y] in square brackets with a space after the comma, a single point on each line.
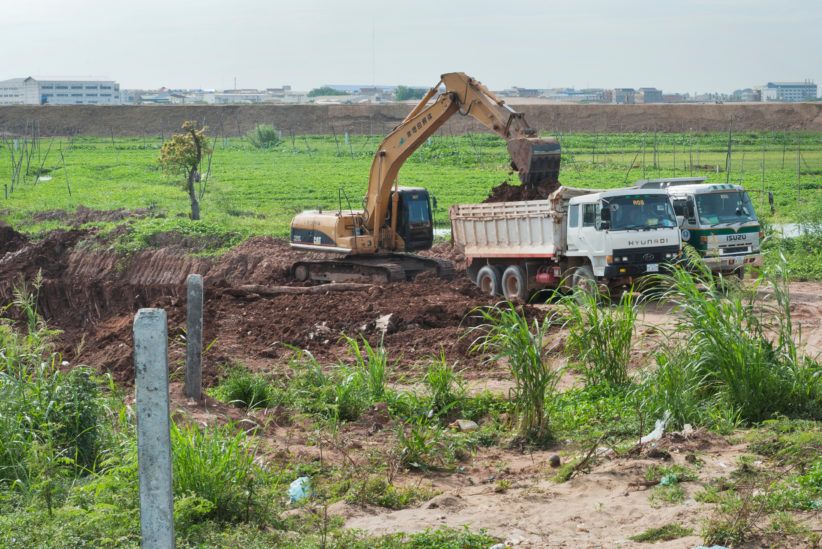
[488, 280]
[584, 280]
[513, 284]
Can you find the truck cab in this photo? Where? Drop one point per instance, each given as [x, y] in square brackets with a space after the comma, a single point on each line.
[622, 234]
[718, 220]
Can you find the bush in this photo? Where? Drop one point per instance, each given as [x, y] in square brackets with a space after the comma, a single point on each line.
[264, 136]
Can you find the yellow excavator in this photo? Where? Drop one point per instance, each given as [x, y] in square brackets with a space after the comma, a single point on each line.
[398, 219]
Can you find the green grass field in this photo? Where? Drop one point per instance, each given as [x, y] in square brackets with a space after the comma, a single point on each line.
[257, 191]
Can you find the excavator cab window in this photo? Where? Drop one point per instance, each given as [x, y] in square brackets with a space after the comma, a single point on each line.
[414, 219]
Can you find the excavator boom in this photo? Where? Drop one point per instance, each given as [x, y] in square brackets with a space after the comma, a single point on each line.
[397, 219]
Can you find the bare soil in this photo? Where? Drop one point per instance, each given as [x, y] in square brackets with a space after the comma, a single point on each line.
[92, 296]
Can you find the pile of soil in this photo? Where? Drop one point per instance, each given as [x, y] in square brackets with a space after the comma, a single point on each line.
[505, 192]
[253, 313]
[10, 240]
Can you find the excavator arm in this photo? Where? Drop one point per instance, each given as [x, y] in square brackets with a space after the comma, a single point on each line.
[536, 159]
[372, 239]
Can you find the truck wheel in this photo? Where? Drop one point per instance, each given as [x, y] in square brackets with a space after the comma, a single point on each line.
[488, 280]
[513, 284]
[585, 281]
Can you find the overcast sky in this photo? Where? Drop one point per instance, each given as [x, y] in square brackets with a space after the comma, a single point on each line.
[683, 46]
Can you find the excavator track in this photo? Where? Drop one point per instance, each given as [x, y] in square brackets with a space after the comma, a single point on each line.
[378, 269]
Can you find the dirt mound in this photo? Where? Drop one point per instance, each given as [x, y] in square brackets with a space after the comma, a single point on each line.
[10, 240]
[505, 192]
[248, 316]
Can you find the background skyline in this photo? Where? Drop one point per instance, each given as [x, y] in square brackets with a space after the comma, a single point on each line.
[695, 47]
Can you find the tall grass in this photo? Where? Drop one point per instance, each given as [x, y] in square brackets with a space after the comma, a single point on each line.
[215, 464]
[507, 334]
[371, 364]
[446, 387]
[601, 337]
[739, 347]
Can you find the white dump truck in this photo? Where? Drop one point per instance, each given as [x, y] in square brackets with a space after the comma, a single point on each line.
[717, 219]
[577, 237]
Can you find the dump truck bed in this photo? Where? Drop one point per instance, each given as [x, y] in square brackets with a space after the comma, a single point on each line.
[508, 229]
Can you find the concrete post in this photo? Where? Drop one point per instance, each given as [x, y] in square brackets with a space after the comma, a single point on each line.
[153, 435]
[194, 337]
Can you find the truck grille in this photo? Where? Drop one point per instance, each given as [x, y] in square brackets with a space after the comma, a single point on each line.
[646, 255]
[729, 250]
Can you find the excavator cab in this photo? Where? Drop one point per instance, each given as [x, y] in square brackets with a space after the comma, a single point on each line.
[414, 220]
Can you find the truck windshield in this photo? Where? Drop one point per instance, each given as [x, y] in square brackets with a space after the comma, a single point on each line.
[724, 207]
[642, 211]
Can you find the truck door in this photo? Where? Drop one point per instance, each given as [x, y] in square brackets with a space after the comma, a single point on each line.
[572, 231]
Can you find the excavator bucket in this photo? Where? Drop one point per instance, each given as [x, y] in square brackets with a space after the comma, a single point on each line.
[536, 159]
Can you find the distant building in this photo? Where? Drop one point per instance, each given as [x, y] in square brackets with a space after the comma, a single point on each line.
[650, 95]
[624, 95]
[788, 91]
[30, 91]
[673, 98]
[527, 92]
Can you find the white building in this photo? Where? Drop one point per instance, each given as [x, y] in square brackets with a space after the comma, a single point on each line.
[30, 91]
[787, 91]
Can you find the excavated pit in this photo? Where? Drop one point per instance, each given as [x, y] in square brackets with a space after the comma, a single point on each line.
[252, 313]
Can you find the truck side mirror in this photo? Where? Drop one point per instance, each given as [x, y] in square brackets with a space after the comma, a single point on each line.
[690, 209]
[605, 214]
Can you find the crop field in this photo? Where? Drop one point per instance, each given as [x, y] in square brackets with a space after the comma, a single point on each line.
[423, 414]
[257, 191]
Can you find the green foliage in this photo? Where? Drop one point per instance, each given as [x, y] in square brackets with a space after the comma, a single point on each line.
[264, 136]
[405, 93]
[183, 152]
[670, 531]
[507, 333]
[600, 337]
[446, 388]
[371, 365]
[325, 90]
[194, 236]
[378, 491]
[244, 389]
[423, 444]
[740, 350]
[215, 464]
[588, 413]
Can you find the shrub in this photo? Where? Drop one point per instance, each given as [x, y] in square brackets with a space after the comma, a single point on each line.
[263, 136]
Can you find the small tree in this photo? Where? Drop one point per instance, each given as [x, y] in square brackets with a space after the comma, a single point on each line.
[182, 155]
